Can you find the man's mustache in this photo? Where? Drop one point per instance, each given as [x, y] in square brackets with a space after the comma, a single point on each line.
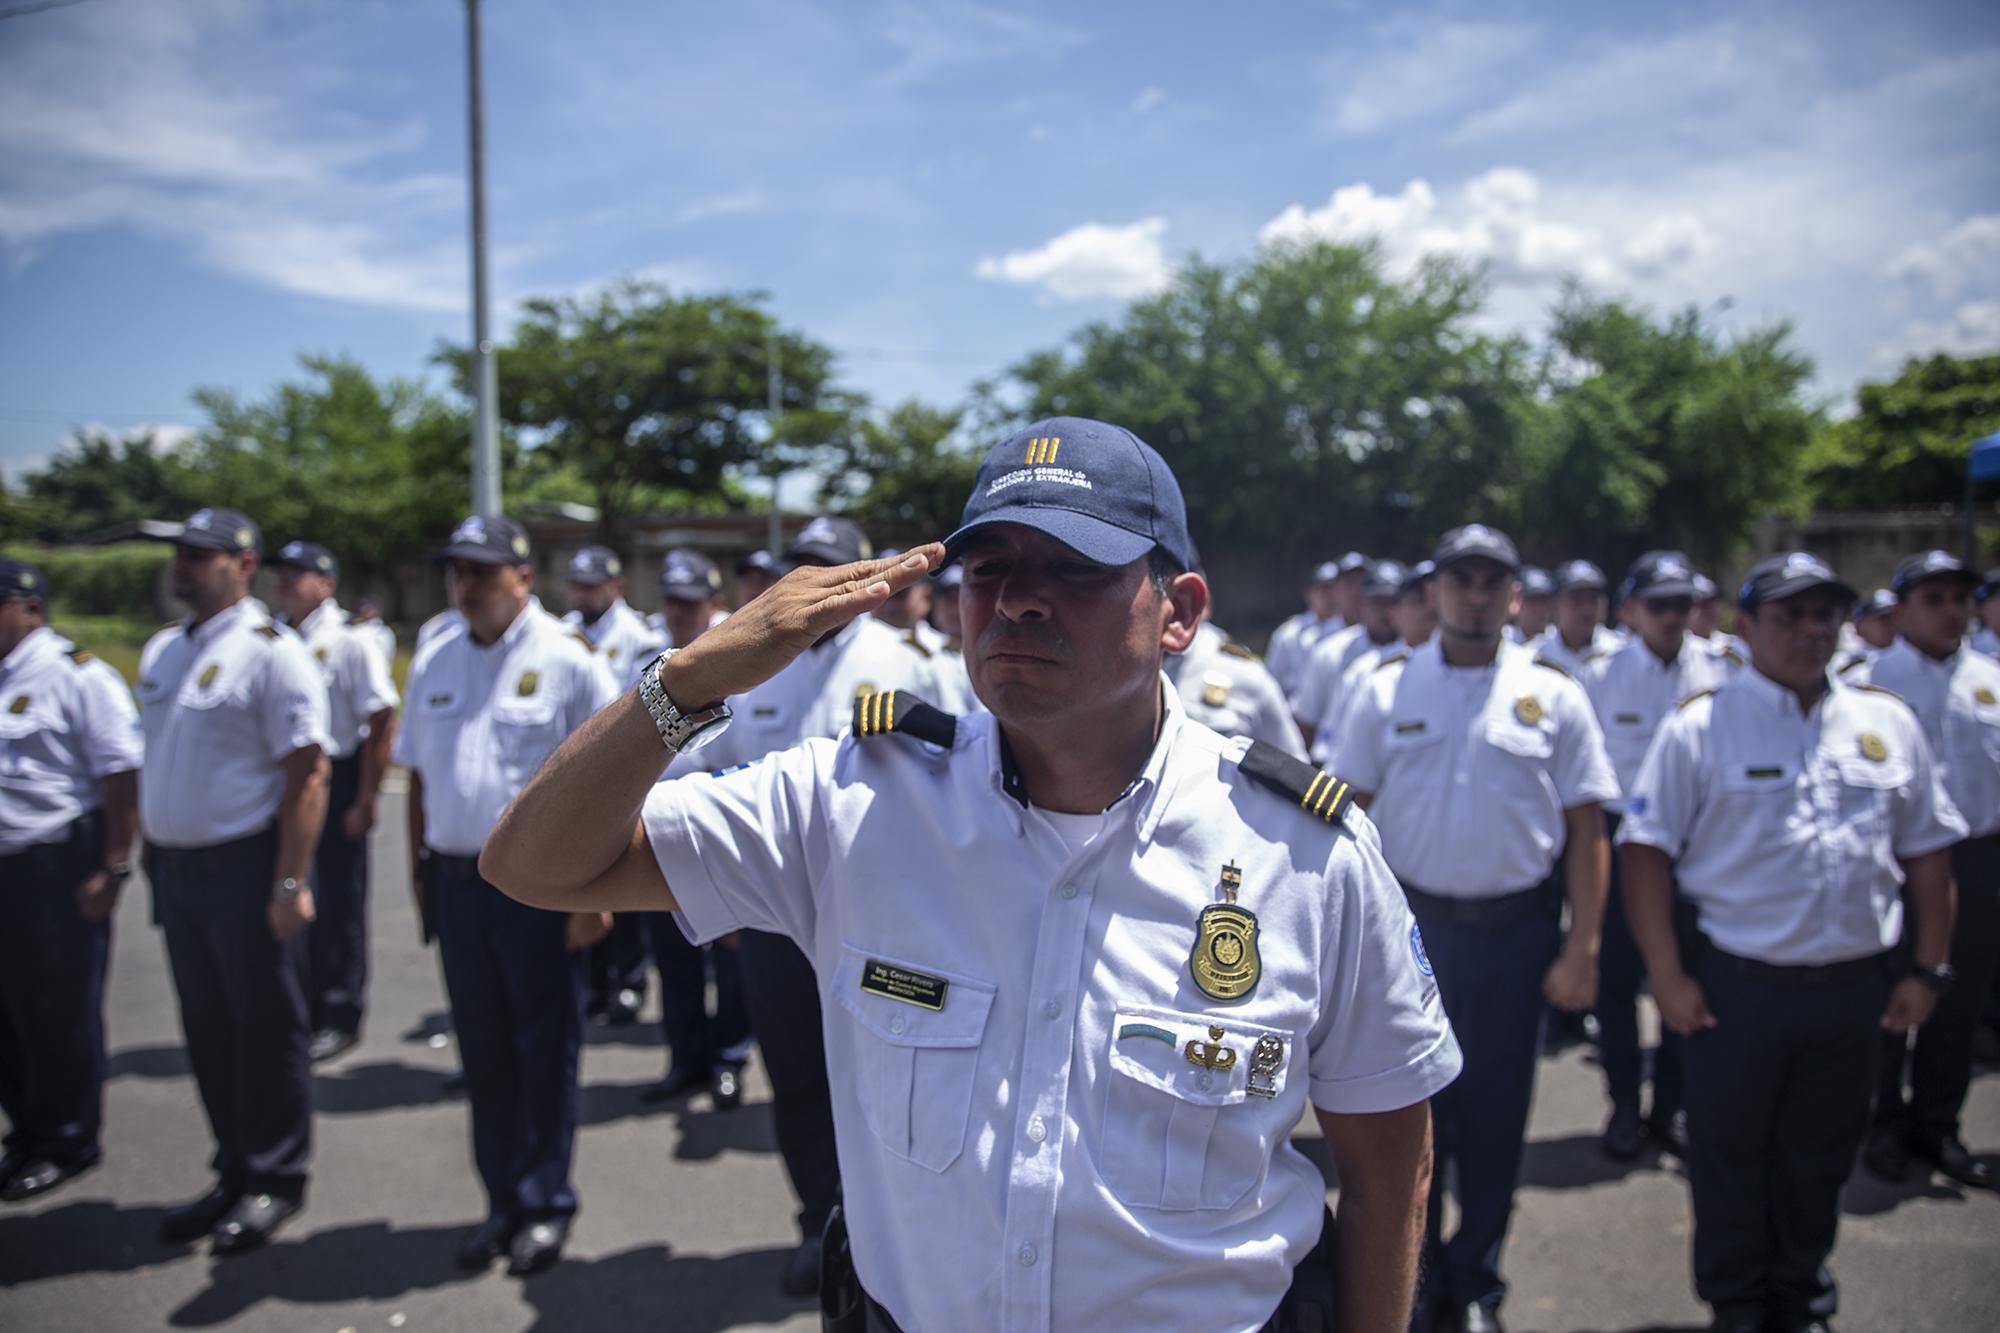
[1028, 640]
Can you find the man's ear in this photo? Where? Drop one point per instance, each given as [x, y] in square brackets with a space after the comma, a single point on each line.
[1187, 604]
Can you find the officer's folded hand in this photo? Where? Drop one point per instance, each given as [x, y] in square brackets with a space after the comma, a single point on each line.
[805, 606]
[290, 915]
[584, 929]
[1910, 1005]
[96, 896]
[1683, 1008]
[1571, 981]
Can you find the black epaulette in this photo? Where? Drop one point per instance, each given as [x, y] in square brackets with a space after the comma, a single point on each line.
[1392, 660]
[270, 631]
[911, 639]
[583, 639]
[1319, 793]
[1559, 670]
[1235, 649]
[1873, 688]
[885, 711]
[1698, 694]
[82, 657]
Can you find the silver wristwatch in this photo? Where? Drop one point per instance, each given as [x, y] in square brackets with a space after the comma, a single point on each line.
[679, 732]
[286, 889]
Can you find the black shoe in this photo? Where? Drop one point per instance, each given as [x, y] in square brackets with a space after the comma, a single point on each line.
[11, 1163]
[728, 1091]
[43, 1174]
[537, 1246]
[679, 1082]
[1952, 1158]
[191, 1221]
[1670, 1132]
[623, 1008]
[479, 1247]
[1813, 1326]
[454, 1081]
[1740, 1319]
[1478, 1319]
[330, 1043]
[254, 1220]
[1885, 1156]
[1624, 1134]
[801, 1275]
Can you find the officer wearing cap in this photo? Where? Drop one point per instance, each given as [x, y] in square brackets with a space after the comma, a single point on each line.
[361, 720]
[1222, 685]
[944, 607]
[1294, 639]
[1955, 694]
[376, 632]
[69, 760]
[909, 612]
[231, 803]
[1986, 639]
[1705, 623]
[1577, 629]
[491, 696]
[690, 597]
[1481, 764]
[755, 573]
[1317, 704]
[1538, 605]
[1873, 628]
[1415, 621]
[1796, 812]
[1634, 689]
[1065, 1093]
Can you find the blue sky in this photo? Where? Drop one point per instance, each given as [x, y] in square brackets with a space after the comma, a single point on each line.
[193, 193]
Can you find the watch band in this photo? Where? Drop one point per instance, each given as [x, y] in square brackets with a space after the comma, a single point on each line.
[286, 889]
[675, 727]
[119, 871]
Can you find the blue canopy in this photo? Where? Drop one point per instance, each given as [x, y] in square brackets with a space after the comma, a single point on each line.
[1984, 461]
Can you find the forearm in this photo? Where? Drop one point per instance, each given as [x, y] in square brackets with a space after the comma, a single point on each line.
[301, 816]
[1649, 909]
[375, 757]
[121, 815]
[1587, 872]
[1385, 1182]
[1933, 900]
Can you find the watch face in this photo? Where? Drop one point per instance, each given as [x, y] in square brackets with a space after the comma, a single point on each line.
[707, 733]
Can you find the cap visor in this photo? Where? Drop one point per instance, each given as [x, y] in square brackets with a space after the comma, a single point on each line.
[478, 555]
[817, 551]
[1091, 538]
[590, 580]
[1793, 587]
[204, 541]
[1666, 588]
[687, 592]
[1497, 557]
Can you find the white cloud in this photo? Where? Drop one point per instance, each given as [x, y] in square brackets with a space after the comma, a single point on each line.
[1149, 101]
[1967, 254]
[1973, 327]
[1089, 262]
[1445, 68]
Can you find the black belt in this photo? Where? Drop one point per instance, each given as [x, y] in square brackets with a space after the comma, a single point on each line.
[468, 864]
[1803, 974]
[1485, 911]
[211, 852]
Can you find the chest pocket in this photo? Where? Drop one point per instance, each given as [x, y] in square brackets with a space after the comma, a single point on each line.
[23, 713]
[914, 1065]
[1177, 1135]
[1867, 789]
[525, 730]
[211, 684]
[1518, 739]
[1973, 730]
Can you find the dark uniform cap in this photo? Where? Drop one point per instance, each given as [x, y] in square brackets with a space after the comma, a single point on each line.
[1476, 541]
[1352, 561]
[1704, 588]
[1878, 603]
[757, 560]
[1535, 582]
[1327, 571]
[1660, 574]
[1580, 574]
[689, 576]
[1415, 577]
[832, 541]
[1930, 565]
[219, 530]
[1777, 577]
[1096, 488]
[1383, 578]
[486, 539]
[18, 578]
[594, 565]
[309, 556]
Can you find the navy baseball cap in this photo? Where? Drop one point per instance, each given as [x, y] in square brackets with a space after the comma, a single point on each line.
[1327, 571]
[1930, 565]
[1580, 574]
[219, 530]
[689, 576]
[1704, 588]
[1476, 541]
[757, 560]
[309, 556]
[1096, 488]
[486, 539]
[831, 541]
[594, 565]
[1660, 574]
[1382, 578]
[1352, 561]
[1415, 577]
[18, 578]
[1777, 577]
[1535, 582]
[1877, 603]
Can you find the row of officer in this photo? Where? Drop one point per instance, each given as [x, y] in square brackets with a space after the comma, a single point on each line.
[1414, 618]
[1317, 702]
[1222, 685]
[1333, 602]
[69, 760]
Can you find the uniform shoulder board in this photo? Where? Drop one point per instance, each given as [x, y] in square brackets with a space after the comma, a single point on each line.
[1850, 664]
[1698, 694]
[583, 639]
[270, 631]
[885, 711]
[910, 638]
[82, 657]
[1559, 670]
[1391, 660]
[1873, 688]
[1235, 649]
[1319, 793]
[1731, 656]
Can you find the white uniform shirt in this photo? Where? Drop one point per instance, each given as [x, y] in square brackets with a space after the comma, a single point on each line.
[1034, 1150]
[357, 679]
[814, 694]
[1319, 680]
[65, 725]
[1472, 768]
[221, 705]
[1326, 736]
[1957, 702]
[482, 719]
[1787, 826]
[1986, 641]
[1550, 644]
[436, 625]
[1292, 643]
[622, 638]
[1633, 692]
[1223, 686]
[380, 636]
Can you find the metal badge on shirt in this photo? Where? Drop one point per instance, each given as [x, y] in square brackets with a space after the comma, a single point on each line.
[1224, 963]
[906, 984]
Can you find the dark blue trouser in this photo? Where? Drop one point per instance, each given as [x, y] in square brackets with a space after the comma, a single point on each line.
[243, 1008]
[618, 961]
[1777, 1103]
[52, 966]
[695, 1040]
[517, 1008]
[1490, 958]
[782, 994]
[1621, 969]
[337, 940]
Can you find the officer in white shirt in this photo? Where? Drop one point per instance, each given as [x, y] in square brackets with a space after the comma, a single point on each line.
[909, 612]
[231, 802]
[1705, 622]
[361, 713]
[1955, 694]
[1871, 628]
[1798, 813]
[1986, 639]
[1415, 619]
[1577, 629]
[1223, 686]
[1633, 690]
[1482, 765]
[376, 632]
[1293, 641]
[1538, 605]
[69, 760]
[1317, 702]
[755, 573]
[490, 698]
[1085, 962]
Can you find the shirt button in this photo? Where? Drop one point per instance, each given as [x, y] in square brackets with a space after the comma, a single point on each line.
[1052, 1009]
[897, 1024]
[1204, 1080]
[1037, 1130]
[1069, 890]
[1027, 1256]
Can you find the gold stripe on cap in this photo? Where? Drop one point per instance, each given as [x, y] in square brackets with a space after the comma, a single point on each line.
[1054, 444]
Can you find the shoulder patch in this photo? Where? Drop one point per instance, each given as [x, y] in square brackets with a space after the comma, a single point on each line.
[1319, 793]
[1698, 694]
[1235, 649]
[1559, 670]
[82, 657]
[271, 632]
[885, 711]
[583, 639]
[1873, 688]
[1391, 660]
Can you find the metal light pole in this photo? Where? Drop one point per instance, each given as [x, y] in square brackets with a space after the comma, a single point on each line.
[774, 389]
[485, 426]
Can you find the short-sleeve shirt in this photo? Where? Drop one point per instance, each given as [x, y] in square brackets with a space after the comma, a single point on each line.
[1222, 685]
[1024, 1140]
[1314, 698]
[1787, 825]
[1550, 646]
[1472, 769]
[221, 704]
[1293, 641]
[482, 718]
[357, 677]
[1634, 691]
[622, 638]
[66, 723]
[1957, 702]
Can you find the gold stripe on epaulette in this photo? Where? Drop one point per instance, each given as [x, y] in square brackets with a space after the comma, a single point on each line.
[1312, 788]
[1329, 798]
[1698, 694]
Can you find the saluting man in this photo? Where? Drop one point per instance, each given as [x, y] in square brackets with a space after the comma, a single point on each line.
[231, 803]
[1064, 1091]
[69, 761]
[1481, 764]
[490, 698]
[1955, 694]
[361, 714]
[1796, 812]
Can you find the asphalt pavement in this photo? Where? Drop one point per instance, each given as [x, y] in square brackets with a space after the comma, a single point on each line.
[686, 1214]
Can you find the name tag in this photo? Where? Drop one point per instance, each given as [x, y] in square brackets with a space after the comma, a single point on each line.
[1773, 771]
[1627, 719]
[900, 983]
[442, 700]
[1408, 728]
[764, 710]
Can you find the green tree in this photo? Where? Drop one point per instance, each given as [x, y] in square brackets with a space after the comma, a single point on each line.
[97, 481]
[1907, 442]
[906, 474]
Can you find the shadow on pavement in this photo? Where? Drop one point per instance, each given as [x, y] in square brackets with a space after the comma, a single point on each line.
[148, 1062]
[384, 1085]
[436, 1023]
[708, 1134]
[369, 1261]
[88, 1236]
[1577, 1162]
[639, 1034]
[652, 1288]
[1868, 1195]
